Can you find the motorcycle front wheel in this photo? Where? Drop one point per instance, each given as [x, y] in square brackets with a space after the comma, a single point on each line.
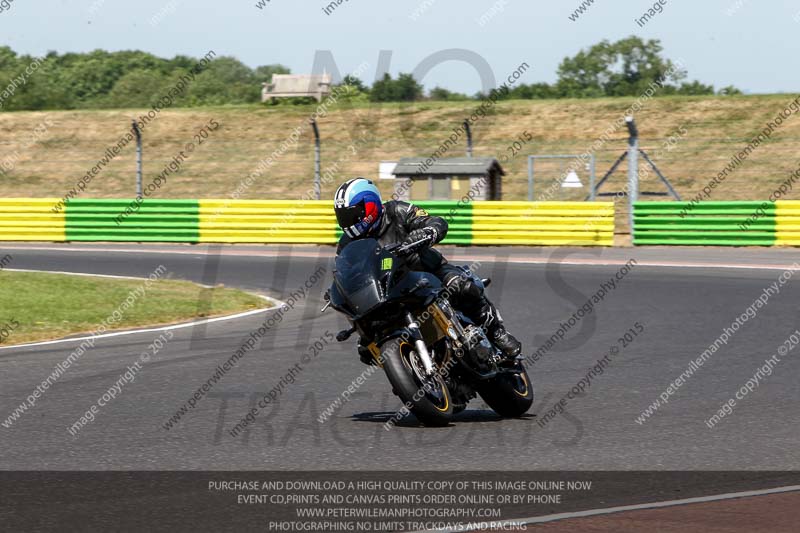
[427, 397]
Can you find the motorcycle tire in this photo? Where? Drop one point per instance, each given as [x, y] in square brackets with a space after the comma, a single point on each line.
[428, 399]
[510, 394]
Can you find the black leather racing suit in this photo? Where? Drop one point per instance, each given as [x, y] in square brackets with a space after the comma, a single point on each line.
[401, 219]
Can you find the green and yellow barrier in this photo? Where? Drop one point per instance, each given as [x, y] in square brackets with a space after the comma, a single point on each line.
[293, 222]
[268, 221]
[543, 223]
[127, 221]
[717, 223]
[31, 219]
[787, 223]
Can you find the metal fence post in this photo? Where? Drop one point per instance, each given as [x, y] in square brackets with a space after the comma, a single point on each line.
[633, 167]
[468, 131]
[530, 178]
[138, 134]
[317, 162]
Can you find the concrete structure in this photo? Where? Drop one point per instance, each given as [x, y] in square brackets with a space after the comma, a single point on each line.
[294, 85]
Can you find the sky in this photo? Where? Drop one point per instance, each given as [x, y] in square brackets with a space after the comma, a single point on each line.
[750, 44]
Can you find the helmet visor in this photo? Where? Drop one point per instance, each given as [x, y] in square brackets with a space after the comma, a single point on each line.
[350, 216]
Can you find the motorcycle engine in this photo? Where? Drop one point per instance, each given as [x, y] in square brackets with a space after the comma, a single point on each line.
[478, 346]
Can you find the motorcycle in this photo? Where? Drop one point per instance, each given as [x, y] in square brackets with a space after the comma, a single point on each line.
[435, 357]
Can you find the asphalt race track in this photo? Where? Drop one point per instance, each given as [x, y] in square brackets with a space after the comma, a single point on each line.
[682, 297]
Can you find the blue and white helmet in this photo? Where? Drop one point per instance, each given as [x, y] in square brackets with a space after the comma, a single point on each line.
[358, 207]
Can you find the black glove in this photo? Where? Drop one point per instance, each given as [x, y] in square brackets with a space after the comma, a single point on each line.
[429, 234]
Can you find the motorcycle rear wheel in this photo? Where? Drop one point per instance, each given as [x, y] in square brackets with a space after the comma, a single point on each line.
[510, 394]
[428, 398]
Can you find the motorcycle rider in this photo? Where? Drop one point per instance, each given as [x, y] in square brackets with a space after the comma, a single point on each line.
[361, 213]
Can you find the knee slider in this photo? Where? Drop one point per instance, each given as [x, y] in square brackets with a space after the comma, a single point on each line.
[464, 288]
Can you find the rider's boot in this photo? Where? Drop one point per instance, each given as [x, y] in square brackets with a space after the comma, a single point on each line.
[505, 341]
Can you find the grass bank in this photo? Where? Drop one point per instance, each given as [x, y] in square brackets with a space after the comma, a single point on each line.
[214, 162]
[39, 306]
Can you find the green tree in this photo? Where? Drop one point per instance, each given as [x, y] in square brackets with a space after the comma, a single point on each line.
[730, 90]
[138, 88]
[352, 89]
[225, 80]
[624, 68]
[534, 91]
[41, 92]
[404, 89]
[133, 78]
[586, 74]
[440, 93]
[180, 62]
[408, 89]
[263, 74]
[8, 59]
[382, 90]
[695, 88]
[355, 83]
